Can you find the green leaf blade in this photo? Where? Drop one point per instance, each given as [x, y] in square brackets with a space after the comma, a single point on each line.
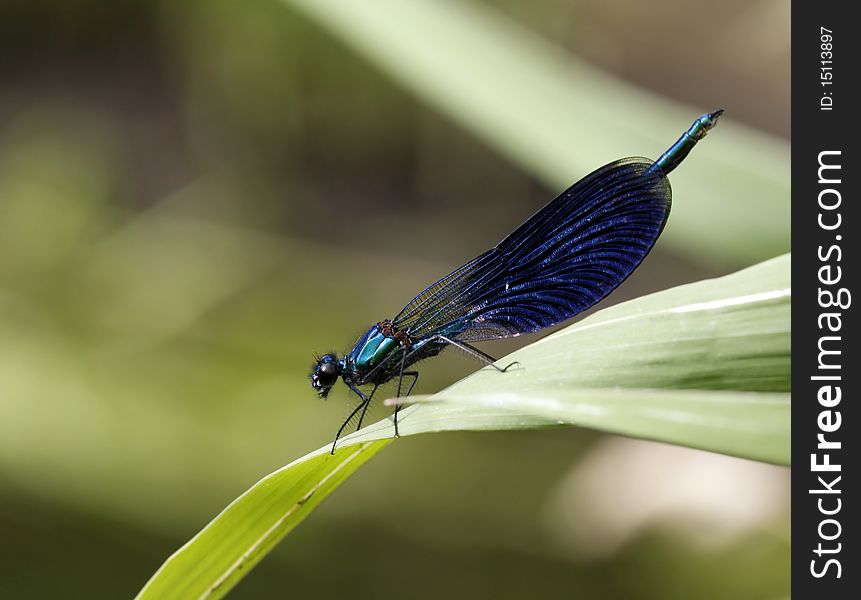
[704, 365]
[751, 425]
[213, 561]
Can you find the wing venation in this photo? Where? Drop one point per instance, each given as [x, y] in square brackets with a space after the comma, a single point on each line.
[562, 260]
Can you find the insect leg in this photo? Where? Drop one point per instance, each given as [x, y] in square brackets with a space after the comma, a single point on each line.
[367, 403]
[401, 371]
[401, 374]
[415, 376]
[363, 403]
[400, 381]
[474, 352]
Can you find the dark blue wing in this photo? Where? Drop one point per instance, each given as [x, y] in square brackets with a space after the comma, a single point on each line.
[562, 260]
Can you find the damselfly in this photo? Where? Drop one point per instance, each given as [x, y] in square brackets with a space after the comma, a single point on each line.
[562, 260]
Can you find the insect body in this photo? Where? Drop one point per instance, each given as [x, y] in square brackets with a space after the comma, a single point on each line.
[562, 260]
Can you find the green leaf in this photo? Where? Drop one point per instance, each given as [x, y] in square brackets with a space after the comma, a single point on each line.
[714, 354]
[559, 118]
[747, 424]
[214, 560]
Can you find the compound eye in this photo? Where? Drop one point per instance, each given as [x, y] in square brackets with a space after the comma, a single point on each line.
[327, 374]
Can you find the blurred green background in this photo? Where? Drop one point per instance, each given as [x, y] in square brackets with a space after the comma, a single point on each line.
[196, 196]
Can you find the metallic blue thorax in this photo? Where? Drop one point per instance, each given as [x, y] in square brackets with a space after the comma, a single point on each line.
[368, 352]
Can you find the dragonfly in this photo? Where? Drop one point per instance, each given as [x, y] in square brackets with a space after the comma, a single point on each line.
[562, 260]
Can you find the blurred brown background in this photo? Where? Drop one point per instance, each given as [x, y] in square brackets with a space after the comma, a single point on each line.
[195, 196]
